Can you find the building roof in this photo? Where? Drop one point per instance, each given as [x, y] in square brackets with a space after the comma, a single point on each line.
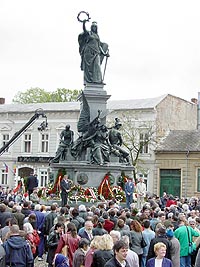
[180, 141]
[147, 103]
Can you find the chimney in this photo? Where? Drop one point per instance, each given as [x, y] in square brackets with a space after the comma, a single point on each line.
[194, 100]
[2, 100]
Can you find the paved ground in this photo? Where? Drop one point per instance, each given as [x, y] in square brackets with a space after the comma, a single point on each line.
[41, 263]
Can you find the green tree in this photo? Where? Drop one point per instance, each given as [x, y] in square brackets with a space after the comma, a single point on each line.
[38, 95]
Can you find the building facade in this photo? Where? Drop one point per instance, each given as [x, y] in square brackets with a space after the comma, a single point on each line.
[33, 150]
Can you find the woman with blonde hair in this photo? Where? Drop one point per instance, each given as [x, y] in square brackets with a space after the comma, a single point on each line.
[104, 252]
[136, 238]
[159, 260]
[94, 245]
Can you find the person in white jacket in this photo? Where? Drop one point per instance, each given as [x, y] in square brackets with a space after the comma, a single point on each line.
[141, 193]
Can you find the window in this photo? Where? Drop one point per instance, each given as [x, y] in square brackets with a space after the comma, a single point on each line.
[44, 143]
[144, 138]
[43, 178]
[5, 140]
[27, 143]
[4, 177]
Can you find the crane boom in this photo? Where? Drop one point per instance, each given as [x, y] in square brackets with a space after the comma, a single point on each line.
[38, 113]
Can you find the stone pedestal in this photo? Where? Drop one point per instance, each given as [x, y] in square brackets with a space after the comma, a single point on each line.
[91, 175]
[97, 100]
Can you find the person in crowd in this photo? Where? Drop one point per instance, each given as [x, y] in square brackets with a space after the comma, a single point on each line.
[148, 235]
[104, 252]
[19, 216]
[136, 238]
[116, 236]
[71, 239]
[161, 237]
[49, 219]
[132, 257]
[4, 215]
[76, 219]
[18, 250]
[88, 231]
[184, 234]
[99, 230]
[40, 217]
[34, 196]
[32, 182]
[83, 211]
[120, 249]
[108, 224]
[32, 236]
[175, 247]
[52, 243]
[2, 256]
[94, 245]
[159, 259]
[141, 193]
[6, 229]
[129, 189]
[26, 208]
[65, 188]
[80, 253]
[61, 261]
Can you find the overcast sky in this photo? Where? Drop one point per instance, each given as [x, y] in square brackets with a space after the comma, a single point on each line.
[154, 46]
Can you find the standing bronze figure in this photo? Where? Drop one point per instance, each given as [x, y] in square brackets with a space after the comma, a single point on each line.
[92, 52]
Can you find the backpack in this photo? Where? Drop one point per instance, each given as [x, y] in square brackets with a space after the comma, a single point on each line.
[36, 238]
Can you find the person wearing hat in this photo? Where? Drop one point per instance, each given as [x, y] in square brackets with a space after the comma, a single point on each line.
[129, 189]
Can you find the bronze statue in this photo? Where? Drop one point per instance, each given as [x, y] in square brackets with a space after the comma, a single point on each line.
[66, 142]
[116, 141]
[92, 52]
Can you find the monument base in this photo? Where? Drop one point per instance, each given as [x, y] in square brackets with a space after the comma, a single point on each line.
[91, 175]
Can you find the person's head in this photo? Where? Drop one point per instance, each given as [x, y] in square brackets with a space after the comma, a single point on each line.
[95, 242]
[84, 243]
[28, 228]
[61, 261]
[59, 227]
[146, 224]
[160, 249]
[192, 223]
[65, 177]
[14, 229]
[94, 27]
[120, 249]
[136, 226]
[106, 242]
[37, 207]
[67, 127]
[115, 235]
[120, 223]
[88, 226]
[71, 227]
[82, 208]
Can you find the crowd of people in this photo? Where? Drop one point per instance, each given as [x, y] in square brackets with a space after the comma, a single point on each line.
[154, 232]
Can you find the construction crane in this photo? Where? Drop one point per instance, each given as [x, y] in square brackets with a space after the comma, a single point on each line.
[16, 136]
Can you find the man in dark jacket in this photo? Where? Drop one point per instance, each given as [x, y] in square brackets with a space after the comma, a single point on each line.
[32, 182]
[18, 250]
[120, 252]
[160, 238]
[65, 188]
